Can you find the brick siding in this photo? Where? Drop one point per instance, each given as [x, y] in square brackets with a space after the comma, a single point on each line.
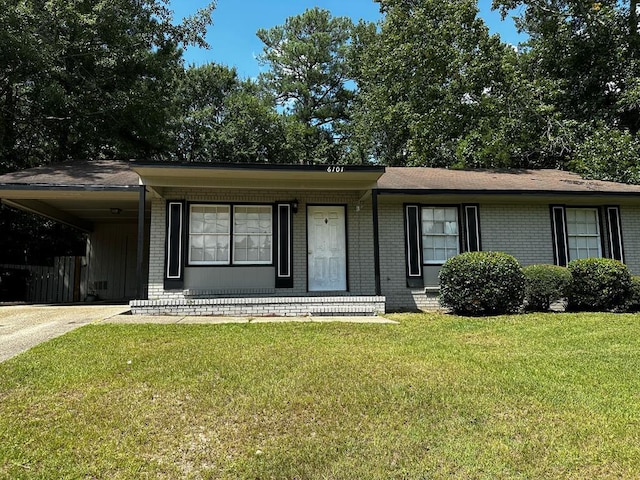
[361, 280]
[522, 230]
[263, 306]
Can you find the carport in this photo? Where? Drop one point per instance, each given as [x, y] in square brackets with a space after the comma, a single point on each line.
[103, 199]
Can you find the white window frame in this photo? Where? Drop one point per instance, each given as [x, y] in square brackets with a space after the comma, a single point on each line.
[235, 234]
[213, 234]
[597, 235]
[230, 234]
[424, 234]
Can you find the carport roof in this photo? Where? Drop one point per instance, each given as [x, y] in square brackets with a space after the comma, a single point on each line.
[77, 193]
[75, 175]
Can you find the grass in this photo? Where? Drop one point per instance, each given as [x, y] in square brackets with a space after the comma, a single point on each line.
[530, 396]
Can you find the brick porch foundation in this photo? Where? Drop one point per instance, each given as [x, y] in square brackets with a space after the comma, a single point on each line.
[263, 306]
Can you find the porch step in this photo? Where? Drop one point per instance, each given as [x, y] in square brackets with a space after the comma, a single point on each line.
[264, 306]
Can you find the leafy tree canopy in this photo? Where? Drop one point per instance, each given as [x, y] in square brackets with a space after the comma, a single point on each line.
[431, 81]
[225, 119]
[309, 78]
[80, 79]
[585, 55]
[83, 79]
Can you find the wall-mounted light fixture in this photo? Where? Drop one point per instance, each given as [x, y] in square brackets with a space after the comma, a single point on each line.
[294, 206]
[115, 211]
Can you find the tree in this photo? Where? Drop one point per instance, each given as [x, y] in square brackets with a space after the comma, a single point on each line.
[33, 240]
[431, 85]
[200, 97]
[608, 154]
[309, 77]
[224, 119]
[585, 57]
[80, 79]
[588, 50]
[83, 79]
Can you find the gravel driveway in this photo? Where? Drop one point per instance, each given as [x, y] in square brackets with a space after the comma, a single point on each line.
[25, 326]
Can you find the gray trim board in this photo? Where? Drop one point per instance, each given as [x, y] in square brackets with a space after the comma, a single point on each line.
[41, 208]
[70, 188]
[141, 294]
[516, 193]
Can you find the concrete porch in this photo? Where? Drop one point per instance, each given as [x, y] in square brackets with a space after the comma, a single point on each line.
[264, 306]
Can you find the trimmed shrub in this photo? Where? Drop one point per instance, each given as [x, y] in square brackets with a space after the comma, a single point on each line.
[482, 283]
[634, 298]
[545, 284]
[599, 284]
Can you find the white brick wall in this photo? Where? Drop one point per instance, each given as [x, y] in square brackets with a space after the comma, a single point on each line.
[630, 221]
[393, 277]
[263, 306]
[361, 279]
[523, 231]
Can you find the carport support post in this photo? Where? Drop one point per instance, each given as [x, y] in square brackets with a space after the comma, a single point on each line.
[376, 240]
[141, 294]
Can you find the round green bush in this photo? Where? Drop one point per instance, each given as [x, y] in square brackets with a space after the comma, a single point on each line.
[481, 283]
[599, 284]
[545, 284]
[633, 305]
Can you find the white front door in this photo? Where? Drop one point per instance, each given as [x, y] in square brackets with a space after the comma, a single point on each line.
[327, 248]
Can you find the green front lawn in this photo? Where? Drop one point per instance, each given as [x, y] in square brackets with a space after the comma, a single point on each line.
[528, 396]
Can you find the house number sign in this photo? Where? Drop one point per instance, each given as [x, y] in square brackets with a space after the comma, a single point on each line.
[335, 169]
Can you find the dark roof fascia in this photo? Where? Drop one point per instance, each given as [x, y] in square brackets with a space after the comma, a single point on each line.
[259, 166]
[535, 193]
[70, 188]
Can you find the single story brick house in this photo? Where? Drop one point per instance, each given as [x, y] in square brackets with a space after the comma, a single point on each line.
[238, 239]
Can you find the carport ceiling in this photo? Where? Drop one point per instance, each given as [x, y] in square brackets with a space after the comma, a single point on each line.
[80, 194]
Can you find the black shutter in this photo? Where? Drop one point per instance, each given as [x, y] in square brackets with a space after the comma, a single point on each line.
[472, 228]
[413, 246]
[559, 232]
[174, 268]
[284, 239]
[614, 233]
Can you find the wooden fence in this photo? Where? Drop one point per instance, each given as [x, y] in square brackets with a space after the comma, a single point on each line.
[64, 282]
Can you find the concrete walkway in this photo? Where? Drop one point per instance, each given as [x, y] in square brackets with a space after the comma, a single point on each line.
[216, 320]
[25, 326]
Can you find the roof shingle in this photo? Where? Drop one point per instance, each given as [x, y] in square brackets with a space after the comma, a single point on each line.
[111, 173]
[496, 181]
[108, 173]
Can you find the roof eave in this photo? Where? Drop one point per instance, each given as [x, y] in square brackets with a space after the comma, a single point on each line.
[518, 193]
[55, 187]
[290, 177]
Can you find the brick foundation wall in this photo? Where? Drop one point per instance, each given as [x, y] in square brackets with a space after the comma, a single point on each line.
[263, 306]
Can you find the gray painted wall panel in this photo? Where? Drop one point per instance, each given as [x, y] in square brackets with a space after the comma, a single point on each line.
[225, 278]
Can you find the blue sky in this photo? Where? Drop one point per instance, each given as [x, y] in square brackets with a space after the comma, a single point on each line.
[233, 34]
